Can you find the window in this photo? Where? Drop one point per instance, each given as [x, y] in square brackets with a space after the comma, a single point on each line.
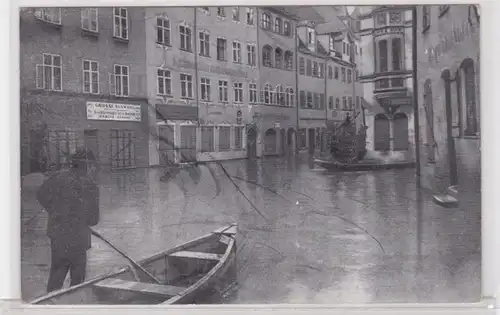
[205, 89]
[302, 99]
[288, 60]
[90, 21]
[236, 14]
[120, 81]
[60, 145]
[266, 56]
[382, 18]
[330, 102]
[280, 95]
[236, 52]
[343, 75]
[309, 68]
[315, 69]
[337, 103]
[395, 17]
[336, 73]
[238, 138]
[120, 16]
[309, 99]
[287, 29]
[221, 49]
[238, 92]
[330, 72]
[164, 78]
[426, 17]
[51, 15]
[357, 102]
[396, 54]
[349, 76]
[302, 66]
[204, 44]
[224, 138]
[382, 48]
[90, 77]
[186, 85]
[221, 12]
[250, 14]
[316, 100]
[162, 31]
[350, 102]
[321, 71]
[251, 55]
[344, 47]
[268, 94]
[310, 36]
[290, 95]
[278, 58]
[122, 148]
[207, 139]
[332, 43]
[266, 21]
[348, 49]
[185, 32]
[49, 73]
[277, 25]
[321, 101]
[252, 91]
[344, 102]
[223, 93]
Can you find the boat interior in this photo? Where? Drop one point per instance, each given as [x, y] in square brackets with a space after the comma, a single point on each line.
[182, 272]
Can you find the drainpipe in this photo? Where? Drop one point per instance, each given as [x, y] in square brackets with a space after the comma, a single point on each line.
[197, 82]
[325, 73]
[297, 93]
[415, 92]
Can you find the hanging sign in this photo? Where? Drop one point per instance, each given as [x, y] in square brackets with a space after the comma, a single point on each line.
[113, 111]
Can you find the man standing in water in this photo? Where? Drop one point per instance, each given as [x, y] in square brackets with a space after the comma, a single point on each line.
[71, 198]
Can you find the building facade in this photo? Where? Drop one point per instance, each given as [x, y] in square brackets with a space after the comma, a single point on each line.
[449, 100]
[274, 117]
[82, 84]
[386, 74]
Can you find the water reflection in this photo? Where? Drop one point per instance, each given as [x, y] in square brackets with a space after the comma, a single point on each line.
[313, 236]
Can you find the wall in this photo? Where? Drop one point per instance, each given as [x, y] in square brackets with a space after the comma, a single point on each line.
[454, 22]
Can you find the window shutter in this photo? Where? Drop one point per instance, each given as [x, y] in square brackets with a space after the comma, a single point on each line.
[112, 84]
[40, 77]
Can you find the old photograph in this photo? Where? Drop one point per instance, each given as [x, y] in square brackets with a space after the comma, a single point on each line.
[250, 155]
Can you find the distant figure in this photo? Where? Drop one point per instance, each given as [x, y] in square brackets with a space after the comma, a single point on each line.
[71, 198]
[347, 119]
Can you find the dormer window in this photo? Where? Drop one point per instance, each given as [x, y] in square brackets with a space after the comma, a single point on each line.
[287, 29]
[332, 44]
[310, 36]
[277, 25]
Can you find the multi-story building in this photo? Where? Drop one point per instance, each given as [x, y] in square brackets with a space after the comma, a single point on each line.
[203, 64]
[275, 113]
[386, 40]
[449, 101]
[82, 84]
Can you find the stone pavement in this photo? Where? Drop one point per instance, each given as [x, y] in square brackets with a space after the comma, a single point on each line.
[313, 236]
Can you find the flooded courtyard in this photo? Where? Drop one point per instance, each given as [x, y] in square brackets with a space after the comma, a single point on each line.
[305, 235]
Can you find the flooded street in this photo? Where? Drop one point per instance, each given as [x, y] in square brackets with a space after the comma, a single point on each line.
[313, 236]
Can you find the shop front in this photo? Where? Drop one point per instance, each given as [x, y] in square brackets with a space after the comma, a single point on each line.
[53, 126]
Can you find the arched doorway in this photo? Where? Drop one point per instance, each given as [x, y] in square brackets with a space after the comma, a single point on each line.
[291, 141]
[270, 142]
[251, 143]
[400, 132]
[283, 141]
[469, 97]
[382, 133]
[450, 142]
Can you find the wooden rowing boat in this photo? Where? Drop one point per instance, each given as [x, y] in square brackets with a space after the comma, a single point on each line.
[361, 166]
[195, 272]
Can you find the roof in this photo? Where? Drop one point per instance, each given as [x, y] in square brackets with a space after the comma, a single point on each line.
[333, 26]
[307, 13]
[320, 49]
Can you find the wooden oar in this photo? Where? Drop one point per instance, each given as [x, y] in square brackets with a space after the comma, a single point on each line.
[132, 261]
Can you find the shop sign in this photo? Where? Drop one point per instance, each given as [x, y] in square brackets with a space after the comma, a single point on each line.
[113, 111]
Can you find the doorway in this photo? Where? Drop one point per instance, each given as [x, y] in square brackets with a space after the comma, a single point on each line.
[251, 143]
[312, 140]
[91, 142]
